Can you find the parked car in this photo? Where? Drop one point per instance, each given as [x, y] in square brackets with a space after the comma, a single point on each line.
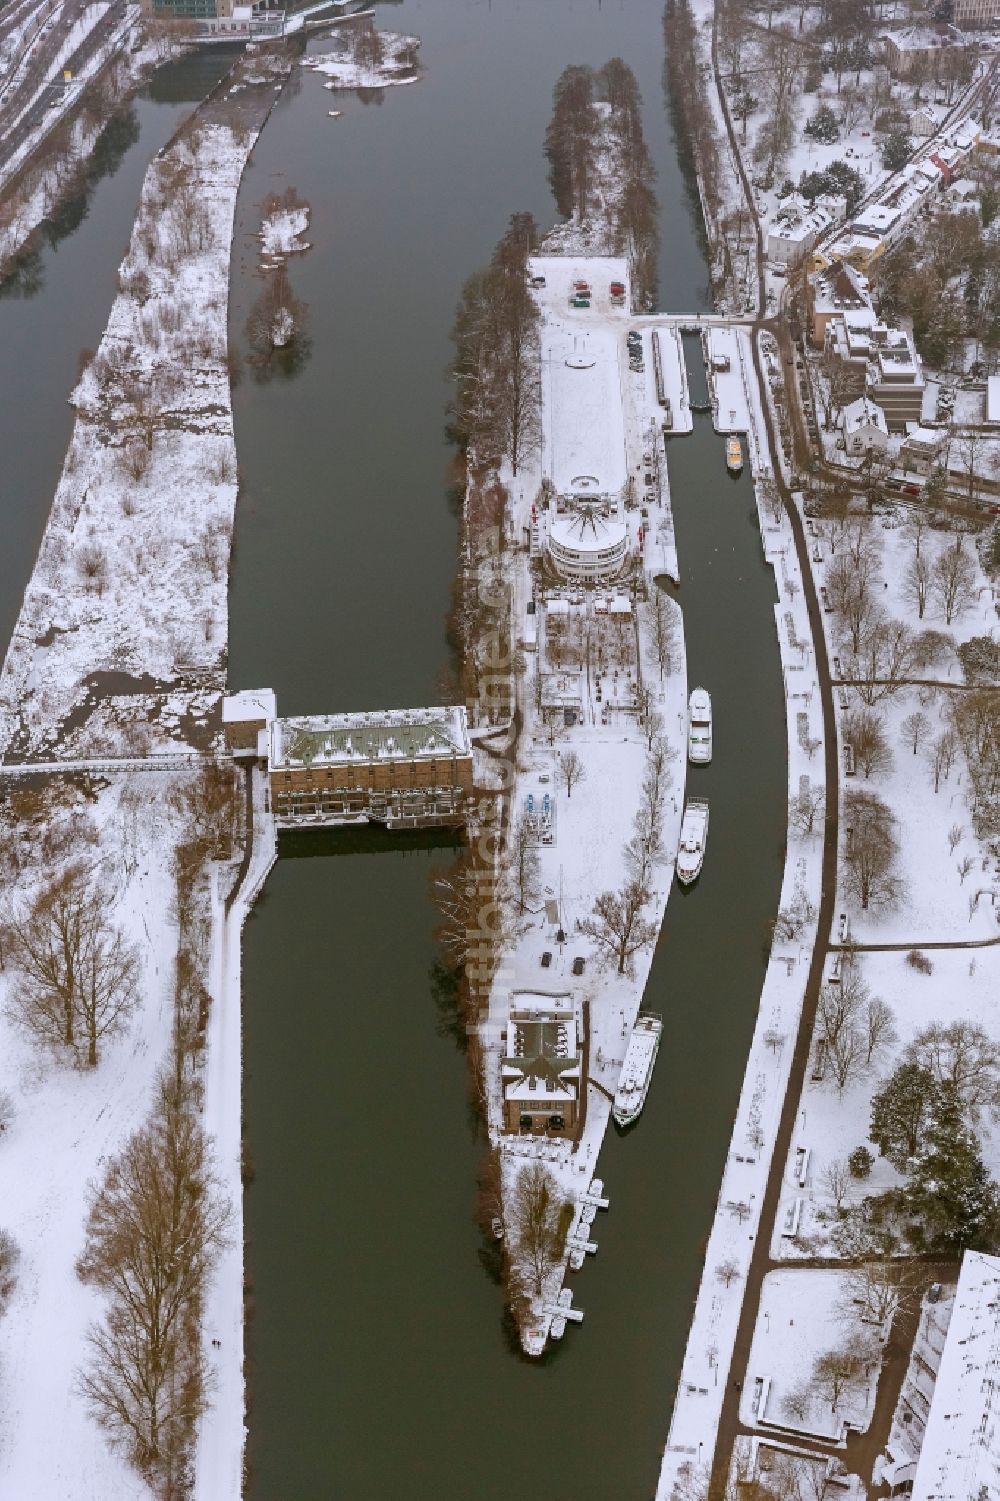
[578, 965]
[546, 958]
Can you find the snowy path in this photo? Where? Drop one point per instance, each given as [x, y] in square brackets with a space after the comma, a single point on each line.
[222, 1431]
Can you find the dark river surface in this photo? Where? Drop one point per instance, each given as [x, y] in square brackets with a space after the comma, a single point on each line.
[380, 1366]
[379, 1362]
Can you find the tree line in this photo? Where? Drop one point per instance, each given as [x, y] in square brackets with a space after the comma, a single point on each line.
[600, 166]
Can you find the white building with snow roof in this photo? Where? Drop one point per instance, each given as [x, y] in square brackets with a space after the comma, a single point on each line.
[960, 1455]
[864, 427]
[586, 547]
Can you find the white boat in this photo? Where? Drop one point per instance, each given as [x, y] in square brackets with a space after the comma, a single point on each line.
[694, 836]
[637, 1068]
[734, 454]
[699, 727]
[558, 1327]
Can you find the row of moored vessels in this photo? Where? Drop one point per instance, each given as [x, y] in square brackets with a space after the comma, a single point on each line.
[640, 1055]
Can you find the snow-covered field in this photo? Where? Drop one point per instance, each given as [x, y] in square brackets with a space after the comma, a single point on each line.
[131, 577]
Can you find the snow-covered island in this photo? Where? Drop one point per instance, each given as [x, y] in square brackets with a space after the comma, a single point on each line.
[367, 59]
[284, 221]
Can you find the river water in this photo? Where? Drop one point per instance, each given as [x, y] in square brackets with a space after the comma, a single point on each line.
[380, 1365]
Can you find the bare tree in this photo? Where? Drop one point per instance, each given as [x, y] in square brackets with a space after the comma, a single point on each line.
[618, 926]
[571, 770]
[155, 1226]
[535, 1214]
[727, 1272]
[661, 619]
[878, 1288]
[963, 1055]
[77, 975]
[524, 861]
[954, 580]
[871, 877]
[917, 582]
[941, 755]
[836, 1181]
[883, 657]
[10, 1256]
[879, 1027]
[805, 808]
[864, 731]
[837, 1372]
[914, 728]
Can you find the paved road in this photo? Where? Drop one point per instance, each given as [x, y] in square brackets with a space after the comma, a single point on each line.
[52, 94]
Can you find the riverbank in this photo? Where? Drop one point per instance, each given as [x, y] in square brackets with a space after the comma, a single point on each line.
[120, 645]
[120, 648]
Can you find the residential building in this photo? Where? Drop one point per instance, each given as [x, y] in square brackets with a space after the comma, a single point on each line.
[896, 380]
[960, 1455]
[927, 119]
[922, 449]
[542, 1067]
[993, 399]
[922, 47]
[797, 226]
[864, 427]
[975, 12]
[838, 289]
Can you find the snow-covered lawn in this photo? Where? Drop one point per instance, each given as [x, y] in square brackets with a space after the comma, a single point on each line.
[67, 1124]
[801, 1317]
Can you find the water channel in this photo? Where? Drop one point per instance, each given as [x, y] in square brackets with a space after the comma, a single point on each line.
[380, 1365]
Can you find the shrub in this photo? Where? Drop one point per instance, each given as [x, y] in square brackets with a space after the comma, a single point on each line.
[860, 1162]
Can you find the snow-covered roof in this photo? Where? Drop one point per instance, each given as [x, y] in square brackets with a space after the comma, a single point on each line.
[587, 532]
[993, 398]
[391, 735]
[541, 1058]
[934, 114]
[863, 413]
[250, 704]
[585, 423]
[839, 287]
[925, 38]
[924, 439]
[960, 1456]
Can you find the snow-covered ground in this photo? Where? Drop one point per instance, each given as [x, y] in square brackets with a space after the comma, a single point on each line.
[67, 1123]
[131, 576]
[131, 583]
[802, 1315]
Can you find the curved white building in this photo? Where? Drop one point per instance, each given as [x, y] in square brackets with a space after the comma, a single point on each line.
[586, 547]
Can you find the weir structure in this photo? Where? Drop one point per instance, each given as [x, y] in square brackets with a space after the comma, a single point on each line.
[400, 768]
